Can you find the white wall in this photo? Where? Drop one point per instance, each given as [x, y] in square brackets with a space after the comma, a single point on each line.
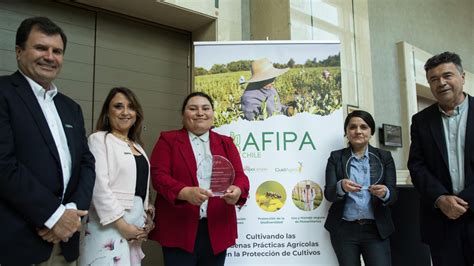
[431, 25]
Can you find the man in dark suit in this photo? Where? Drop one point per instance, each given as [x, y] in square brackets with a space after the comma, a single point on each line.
[46, 170]
[441, 163]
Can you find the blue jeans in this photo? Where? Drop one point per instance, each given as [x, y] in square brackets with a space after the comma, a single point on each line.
[353, 240]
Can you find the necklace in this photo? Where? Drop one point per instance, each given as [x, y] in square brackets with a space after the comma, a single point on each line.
[121, 137]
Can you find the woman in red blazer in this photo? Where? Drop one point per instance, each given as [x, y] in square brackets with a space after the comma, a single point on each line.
[193, 227]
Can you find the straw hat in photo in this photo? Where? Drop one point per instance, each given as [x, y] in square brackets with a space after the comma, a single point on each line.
[262, 69]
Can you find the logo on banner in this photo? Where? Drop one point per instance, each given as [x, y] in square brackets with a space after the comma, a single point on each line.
[296, 169]
[273, 141]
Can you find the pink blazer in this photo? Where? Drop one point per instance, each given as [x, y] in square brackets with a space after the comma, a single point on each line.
[116, 176]
[173, 167]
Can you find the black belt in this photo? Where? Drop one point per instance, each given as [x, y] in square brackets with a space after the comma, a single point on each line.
[362, 221]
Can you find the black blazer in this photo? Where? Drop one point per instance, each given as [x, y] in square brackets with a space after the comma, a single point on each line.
[428, 165]
[31, 181]
[335, 171]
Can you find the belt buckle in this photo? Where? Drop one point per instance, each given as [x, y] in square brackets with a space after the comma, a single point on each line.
[362, 221]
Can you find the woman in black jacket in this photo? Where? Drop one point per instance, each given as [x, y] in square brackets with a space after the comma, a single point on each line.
[360, 181]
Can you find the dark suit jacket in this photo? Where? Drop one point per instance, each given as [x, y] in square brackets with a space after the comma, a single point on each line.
[173, 167]
[335, 171]
[428, 165]
[31, 182]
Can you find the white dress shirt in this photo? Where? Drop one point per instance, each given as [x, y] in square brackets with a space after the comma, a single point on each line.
[454, 127]
[46, 102]
[202, 154]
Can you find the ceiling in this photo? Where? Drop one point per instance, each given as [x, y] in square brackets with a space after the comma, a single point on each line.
[156, 11]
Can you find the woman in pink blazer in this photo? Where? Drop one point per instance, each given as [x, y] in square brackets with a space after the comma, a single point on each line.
[193, 227]
[120, 216]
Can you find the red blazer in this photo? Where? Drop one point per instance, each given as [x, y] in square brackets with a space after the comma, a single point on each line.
[173, 167]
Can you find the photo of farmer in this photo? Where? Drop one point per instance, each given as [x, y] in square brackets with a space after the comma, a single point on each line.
[253, 82]
[260, 98]
[307, 195]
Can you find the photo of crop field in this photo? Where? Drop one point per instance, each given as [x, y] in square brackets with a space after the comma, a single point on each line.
[313, 87]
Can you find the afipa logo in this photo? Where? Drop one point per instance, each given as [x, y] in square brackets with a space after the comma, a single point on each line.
[273, 141]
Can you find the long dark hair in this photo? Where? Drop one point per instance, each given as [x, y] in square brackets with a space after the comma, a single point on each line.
[103, 124]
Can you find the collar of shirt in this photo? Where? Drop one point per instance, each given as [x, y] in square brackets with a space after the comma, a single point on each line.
[366, 154]
[39, 91]
[204, 137]
[458, 109]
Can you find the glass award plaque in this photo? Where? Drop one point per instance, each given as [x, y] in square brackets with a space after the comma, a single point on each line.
[217, 174]
[222, 175]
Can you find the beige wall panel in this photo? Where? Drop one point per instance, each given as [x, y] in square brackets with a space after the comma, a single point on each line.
[151, 61]
[80, 53]
[163, 117]
[76, 71]
[10, 18]
[152, 130]
[88, 126]
[48, 8]
[8, 61]
[158, 100]
[79, 90]
[87, 111]
[141, 39]
[111, 77]
[6, 40]
[142, 64]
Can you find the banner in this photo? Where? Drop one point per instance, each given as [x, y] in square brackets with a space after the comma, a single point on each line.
[281, 103]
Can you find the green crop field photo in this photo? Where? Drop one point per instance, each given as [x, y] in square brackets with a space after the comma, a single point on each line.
[305, 89]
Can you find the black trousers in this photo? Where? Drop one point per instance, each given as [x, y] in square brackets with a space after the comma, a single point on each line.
[202, 255]
[456, 249]
[354, 239]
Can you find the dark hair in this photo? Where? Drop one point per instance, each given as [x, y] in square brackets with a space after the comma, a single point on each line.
[43, 24]
[446, 57]
[103, 124]
[193, 94]
[366, 116]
